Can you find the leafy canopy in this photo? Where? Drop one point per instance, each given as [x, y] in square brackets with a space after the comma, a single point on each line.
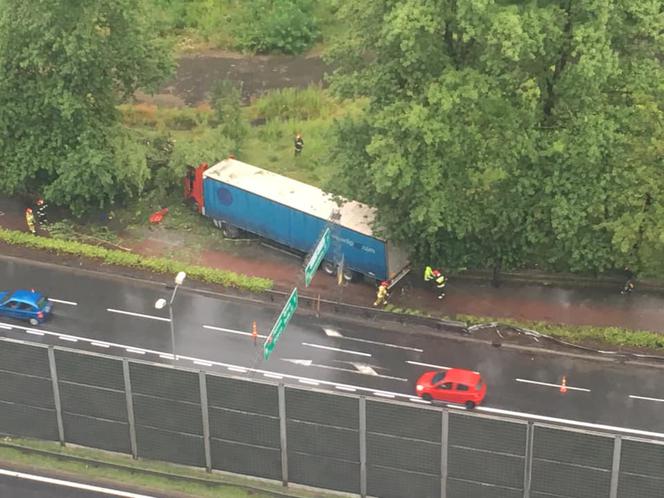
[64, 65]
[505, 133]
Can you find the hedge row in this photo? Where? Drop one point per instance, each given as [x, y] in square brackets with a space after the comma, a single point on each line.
[131, 260]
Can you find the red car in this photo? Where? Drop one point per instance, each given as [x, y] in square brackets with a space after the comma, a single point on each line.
[452, 386]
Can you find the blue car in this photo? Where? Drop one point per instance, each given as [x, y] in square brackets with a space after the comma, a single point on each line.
[28, 305]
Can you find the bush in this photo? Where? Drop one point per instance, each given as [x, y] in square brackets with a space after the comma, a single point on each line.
[286, 26]
[121, 258]
[293, 103]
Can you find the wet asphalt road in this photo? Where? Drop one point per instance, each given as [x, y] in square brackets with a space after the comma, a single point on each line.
[117, 316]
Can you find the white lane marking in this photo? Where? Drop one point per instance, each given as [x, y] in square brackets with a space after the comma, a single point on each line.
[428, 365]
[67, 338]
[237, 369]
[304, 363]
[166, 356]
[231, 331]
[346, 388]
[307, 381]
[646, 398]
[547, 384]
[339, 335]
[202, 363]
[62, 301]
[272, 376]
[309, 363]
[70, 484]
[365, 369]
[34, 332]
[385, 344]
[383, 395]
[6, 327]
[140, 315]
[100, 344]
[330, 348]
[135, 350]
[497, 411]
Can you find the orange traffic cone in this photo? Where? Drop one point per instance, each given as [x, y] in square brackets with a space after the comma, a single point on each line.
[563, 385]
[254, 332]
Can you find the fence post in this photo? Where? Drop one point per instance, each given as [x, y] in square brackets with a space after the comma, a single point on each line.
[56, 394]
[615, 468]
[363, 446]
[528, 461]
[444, 445]
[206, 420]
[130, 409]
[282, 434]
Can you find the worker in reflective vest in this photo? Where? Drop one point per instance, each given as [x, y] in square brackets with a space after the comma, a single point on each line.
[382, 294]
[439, 280]
[30, 220]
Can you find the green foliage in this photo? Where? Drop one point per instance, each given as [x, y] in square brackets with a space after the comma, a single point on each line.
[64, 65]
[581, 334]
[286, 26]
[210, 146]
[294, 103]
[165, 118]
[131, 260]
[226, 105]
[507, 133]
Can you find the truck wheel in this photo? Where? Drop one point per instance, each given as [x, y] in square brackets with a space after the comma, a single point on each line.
[329, 268]
[230, 231]
[350, 275]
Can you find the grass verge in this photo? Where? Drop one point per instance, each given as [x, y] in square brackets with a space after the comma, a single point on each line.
[583, 335]
[131, 260]
[96, 465]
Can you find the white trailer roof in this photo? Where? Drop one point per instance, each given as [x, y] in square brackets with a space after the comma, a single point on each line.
[292, 193]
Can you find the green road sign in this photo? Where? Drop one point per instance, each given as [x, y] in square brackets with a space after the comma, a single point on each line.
[317, 257]
[280, 324]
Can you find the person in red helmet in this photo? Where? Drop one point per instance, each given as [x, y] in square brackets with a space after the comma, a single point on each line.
[382, 294]
[440, 282]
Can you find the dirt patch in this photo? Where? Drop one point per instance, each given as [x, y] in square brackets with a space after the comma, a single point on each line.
[197, 73]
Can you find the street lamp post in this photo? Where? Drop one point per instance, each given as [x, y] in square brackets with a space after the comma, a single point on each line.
[179, 278]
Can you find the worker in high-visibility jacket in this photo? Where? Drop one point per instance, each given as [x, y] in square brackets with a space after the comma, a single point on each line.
[428, 274]
[382, 294]
[441, 282]
[30, 220]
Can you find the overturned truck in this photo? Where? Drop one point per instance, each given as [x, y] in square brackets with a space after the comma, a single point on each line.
[239, 197]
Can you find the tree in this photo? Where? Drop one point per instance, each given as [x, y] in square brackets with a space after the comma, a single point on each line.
[226, 100]
[506, 133]
[64, 65]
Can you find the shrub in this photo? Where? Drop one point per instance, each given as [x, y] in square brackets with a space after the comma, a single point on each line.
[285, 26]
[293, 103]
[132, 260]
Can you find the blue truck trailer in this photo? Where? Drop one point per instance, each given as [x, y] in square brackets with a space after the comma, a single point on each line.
[241, 197]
